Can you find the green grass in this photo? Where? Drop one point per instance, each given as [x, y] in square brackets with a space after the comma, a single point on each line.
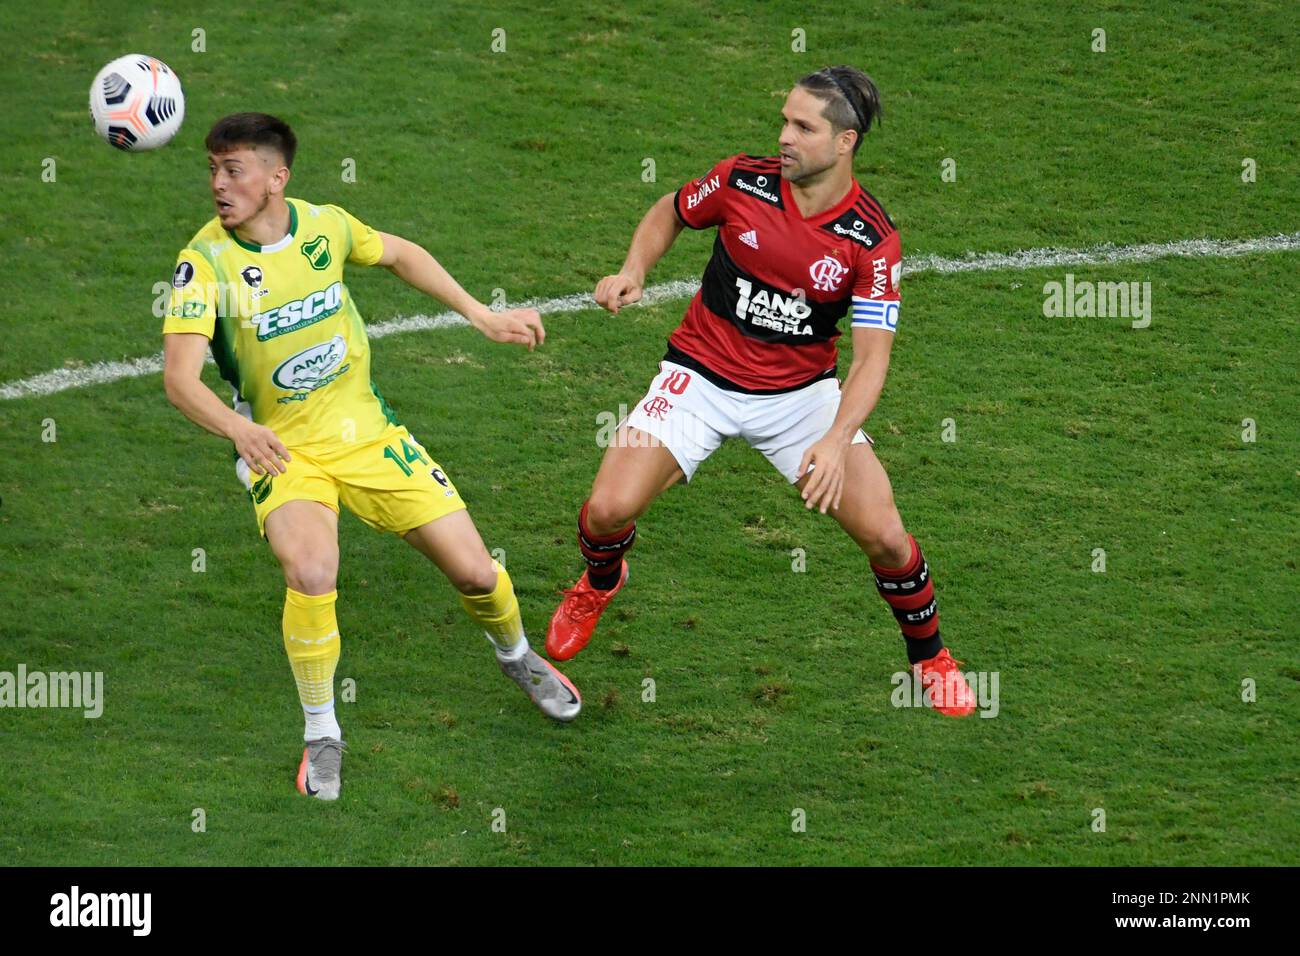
[522, 170]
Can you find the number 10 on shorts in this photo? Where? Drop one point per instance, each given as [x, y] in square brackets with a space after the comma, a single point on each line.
[675, 382]
[411, 453]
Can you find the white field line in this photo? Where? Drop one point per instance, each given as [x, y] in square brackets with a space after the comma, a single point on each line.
[99, 373]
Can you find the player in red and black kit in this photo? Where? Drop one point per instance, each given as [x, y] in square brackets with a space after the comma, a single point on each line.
[800, 244]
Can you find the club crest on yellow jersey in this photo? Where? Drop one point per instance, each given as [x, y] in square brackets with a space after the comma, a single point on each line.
[317, 252]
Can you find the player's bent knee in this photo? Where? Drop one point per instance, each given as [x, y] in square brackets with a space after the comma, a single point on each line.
[311, 576]
[888, 546]
[608, 512]
[475, 580]
[879, 532]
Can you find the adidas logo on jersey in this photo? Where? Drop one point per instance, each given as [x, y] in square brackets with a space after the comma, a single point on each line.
[750, 238]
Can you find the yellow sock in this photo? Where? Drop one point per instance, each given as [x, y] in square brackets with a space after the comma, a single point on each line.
[498, 613]
[311, 638]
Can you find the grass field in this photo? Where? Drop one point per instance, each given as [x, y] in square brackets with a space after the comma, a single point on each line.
[522, 170]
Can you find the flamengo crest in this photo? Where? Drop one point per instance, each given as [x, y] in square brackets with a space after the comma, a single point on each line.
[827, 274]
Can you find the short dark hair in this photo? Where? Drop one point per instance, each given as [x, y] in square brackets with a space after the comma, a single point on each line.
[252, 129]
[852, 100]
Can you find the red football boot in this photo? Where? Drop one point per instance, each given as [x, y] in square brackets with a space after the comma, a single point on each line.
[945, 689]
[575, 619]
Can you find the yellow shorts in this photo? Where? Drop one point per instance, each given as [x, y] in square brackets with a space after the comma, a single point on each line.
[390, 483]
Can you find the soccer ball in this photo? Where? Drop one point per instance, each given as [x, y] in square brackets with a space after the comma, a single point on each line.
[137, 103]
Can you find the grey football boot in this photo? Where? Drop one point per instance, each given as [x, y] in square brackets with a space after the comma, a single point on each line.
[550, 690]
[319, 772]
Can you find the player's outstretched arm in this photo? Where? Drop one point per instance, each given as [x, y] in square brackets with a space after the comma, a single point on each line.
[414, 265]
[183, 354]
[653, 237]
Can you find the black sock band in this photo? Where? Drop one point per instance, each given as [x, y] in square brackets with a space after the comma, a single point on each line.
[604, 553]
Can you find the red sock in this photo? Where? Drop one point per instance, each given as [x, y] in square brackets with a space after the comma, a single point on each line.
[604, 553]
[909, 592]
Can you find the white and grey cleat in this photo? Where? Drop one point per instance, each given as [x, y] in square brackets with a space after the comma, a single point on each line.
[319, 774]
[550, 690]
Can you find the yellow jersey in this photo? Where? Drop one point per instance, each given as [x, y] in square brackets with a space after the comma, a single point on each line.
[284, 330]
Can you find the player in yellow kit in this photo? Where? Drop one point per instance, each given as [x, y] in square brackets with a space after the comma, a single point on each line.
[262, 284]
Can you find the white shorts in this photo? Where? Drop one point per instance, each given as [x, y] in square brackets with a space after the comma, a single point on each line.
[690, 416]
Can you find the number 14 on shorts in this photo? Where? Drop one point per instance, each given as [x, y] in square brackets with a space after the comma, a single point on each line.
[411, 453]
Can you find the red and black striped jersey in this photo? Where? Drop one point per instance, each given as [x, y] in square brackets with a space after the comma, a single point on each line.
[767, 314]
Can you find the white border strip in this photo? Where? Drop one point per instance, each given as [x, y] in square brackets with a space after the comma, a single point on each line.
[100, 373]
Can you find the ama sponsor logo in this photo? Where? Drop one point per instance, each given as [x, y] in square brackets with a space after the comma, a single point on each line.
[311, 369]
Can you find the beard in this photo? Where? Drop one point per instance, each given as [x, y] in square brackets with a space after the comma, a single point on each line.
[804, 172]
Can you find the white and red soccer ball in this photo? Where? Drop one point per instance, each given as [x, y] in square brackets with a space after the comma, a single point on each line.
[137, 103]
